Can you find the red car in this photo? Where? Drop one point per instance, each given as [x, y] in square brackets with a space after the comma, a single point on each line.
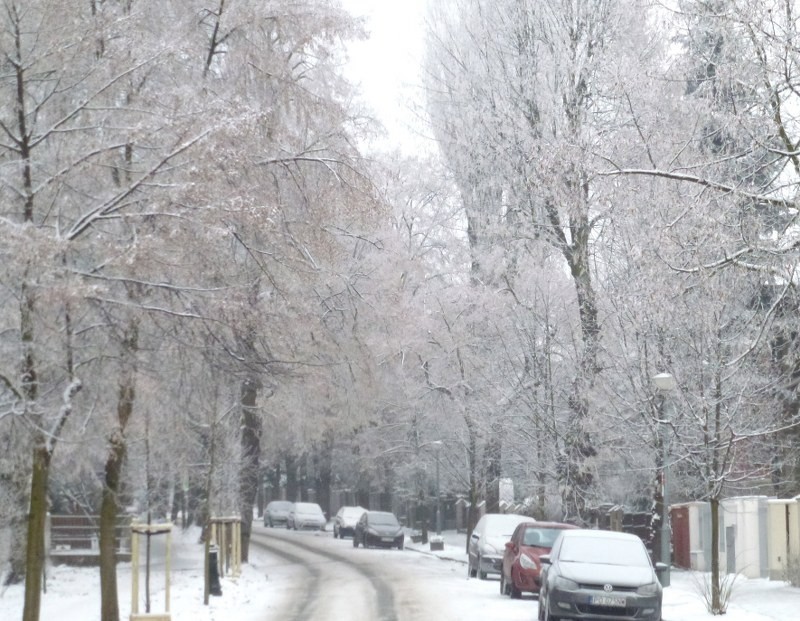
[521, 566]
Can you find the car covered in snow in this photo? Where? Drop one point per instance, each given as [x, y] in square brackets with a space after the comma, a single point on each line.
[487, 543]
[306, 516]
[277, 512]
[345, 520]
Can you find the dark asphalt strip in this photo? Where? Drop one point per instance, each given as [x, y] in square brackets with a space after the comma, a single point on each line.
[383, 591]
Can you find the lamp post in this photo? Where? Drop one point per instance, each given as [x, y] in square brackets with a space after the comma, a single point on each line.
[438, 445]
[665, 384]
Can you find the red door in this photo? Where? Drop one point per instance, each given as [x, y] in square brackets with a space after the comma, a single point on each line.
[681, 549]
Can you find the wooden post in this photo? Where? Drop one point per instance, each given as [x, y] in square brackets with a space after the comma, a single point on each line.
[149, 530]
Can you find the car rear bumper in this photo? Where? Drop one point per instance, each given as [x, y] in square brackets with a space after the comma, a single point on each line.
[386, 542]
[275, 520]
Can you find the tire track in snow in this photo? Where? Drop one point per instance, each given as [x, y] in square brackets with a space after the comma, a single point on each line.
[384, 593]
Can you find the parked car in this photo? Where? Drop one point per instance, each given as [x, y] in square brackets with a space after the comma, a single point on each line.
[378, 528]
[521, 564]
[488, 542]
[277, 512]
[306, 516]
[595, 573]
[345, 520]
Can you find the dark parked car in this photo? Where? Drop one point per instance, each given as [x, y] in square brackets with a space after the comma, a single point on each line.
[488, 542]
[345, 520]
[521, 565]
[378, 528]
[306, 516]
[599, 574]
[277, 512]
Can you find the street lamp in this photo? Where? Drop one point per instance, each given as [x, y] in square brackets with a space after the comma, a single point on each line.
[438, 444]
[665, 384]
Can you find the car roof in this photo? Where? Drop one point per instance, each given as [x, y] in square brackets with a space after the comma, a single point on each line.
[506, 518]
[548, 525]
[587, 533]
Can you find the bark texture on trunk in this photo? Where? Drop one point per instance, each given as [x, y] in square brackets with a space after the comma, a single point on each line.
[109, 598]
[37, 515]
[251, 451]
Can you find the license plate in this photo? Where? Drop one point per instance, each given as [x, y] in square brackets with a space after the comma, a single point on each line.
[387, 539]
[608, 600]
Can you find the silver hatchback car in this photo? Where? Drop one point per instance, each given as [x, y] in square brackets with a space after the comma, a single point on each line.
[595, 574]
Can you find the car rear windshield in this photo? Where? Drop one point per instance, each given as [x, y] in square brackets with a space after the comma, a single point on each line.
[352, 513]
[542, 537]
[501, 526]
[604, 551]
[383, 518]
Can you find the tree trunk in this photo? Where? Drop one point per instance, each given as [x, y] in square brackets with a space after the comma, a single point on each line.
[251, 451]
[493, 458]
[716, 604]
[109, 600]
[37, 515]
[291, 479]
[472, 510]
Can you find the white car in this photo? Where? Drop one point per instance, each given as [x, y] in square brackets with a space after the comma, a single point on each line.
[306, 516]
[487, 544]
[345, 520]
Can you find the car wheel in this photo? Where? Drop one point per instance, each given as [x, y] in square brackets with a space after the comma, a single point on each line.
[335, 533]
[355, 541]
[544, 613]
[400, 546]
[481, 573]
[513, 591]
[471, 571]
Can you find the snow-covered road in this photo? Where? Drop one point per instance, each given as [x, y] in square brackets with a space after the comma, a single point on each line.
[321, 578]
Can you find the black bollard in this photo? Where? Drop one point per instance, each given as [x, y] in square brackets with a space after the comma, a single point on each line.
[213, 572]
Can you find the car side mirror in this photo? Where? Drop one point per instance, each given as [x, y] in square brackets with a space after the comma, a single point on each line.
[661, 567]
[544, 559]
[475, 536]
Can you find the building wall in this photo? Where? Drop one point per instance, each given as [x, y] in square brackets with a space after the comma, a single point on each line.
[783, 538]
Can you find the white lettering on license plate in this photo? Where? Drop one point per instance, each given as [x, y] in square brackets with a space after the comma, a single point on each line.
[607, 600]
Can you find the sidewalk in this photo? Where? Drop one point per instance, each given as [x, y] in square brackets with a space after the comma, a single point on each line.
[455, 545]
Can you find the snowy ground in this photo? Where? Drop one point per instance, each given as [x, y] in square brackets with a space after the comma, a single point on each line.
[73, 594]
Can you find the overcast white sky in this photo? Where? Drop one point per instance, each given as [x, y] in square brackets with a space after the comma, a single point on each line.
[387, 64]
